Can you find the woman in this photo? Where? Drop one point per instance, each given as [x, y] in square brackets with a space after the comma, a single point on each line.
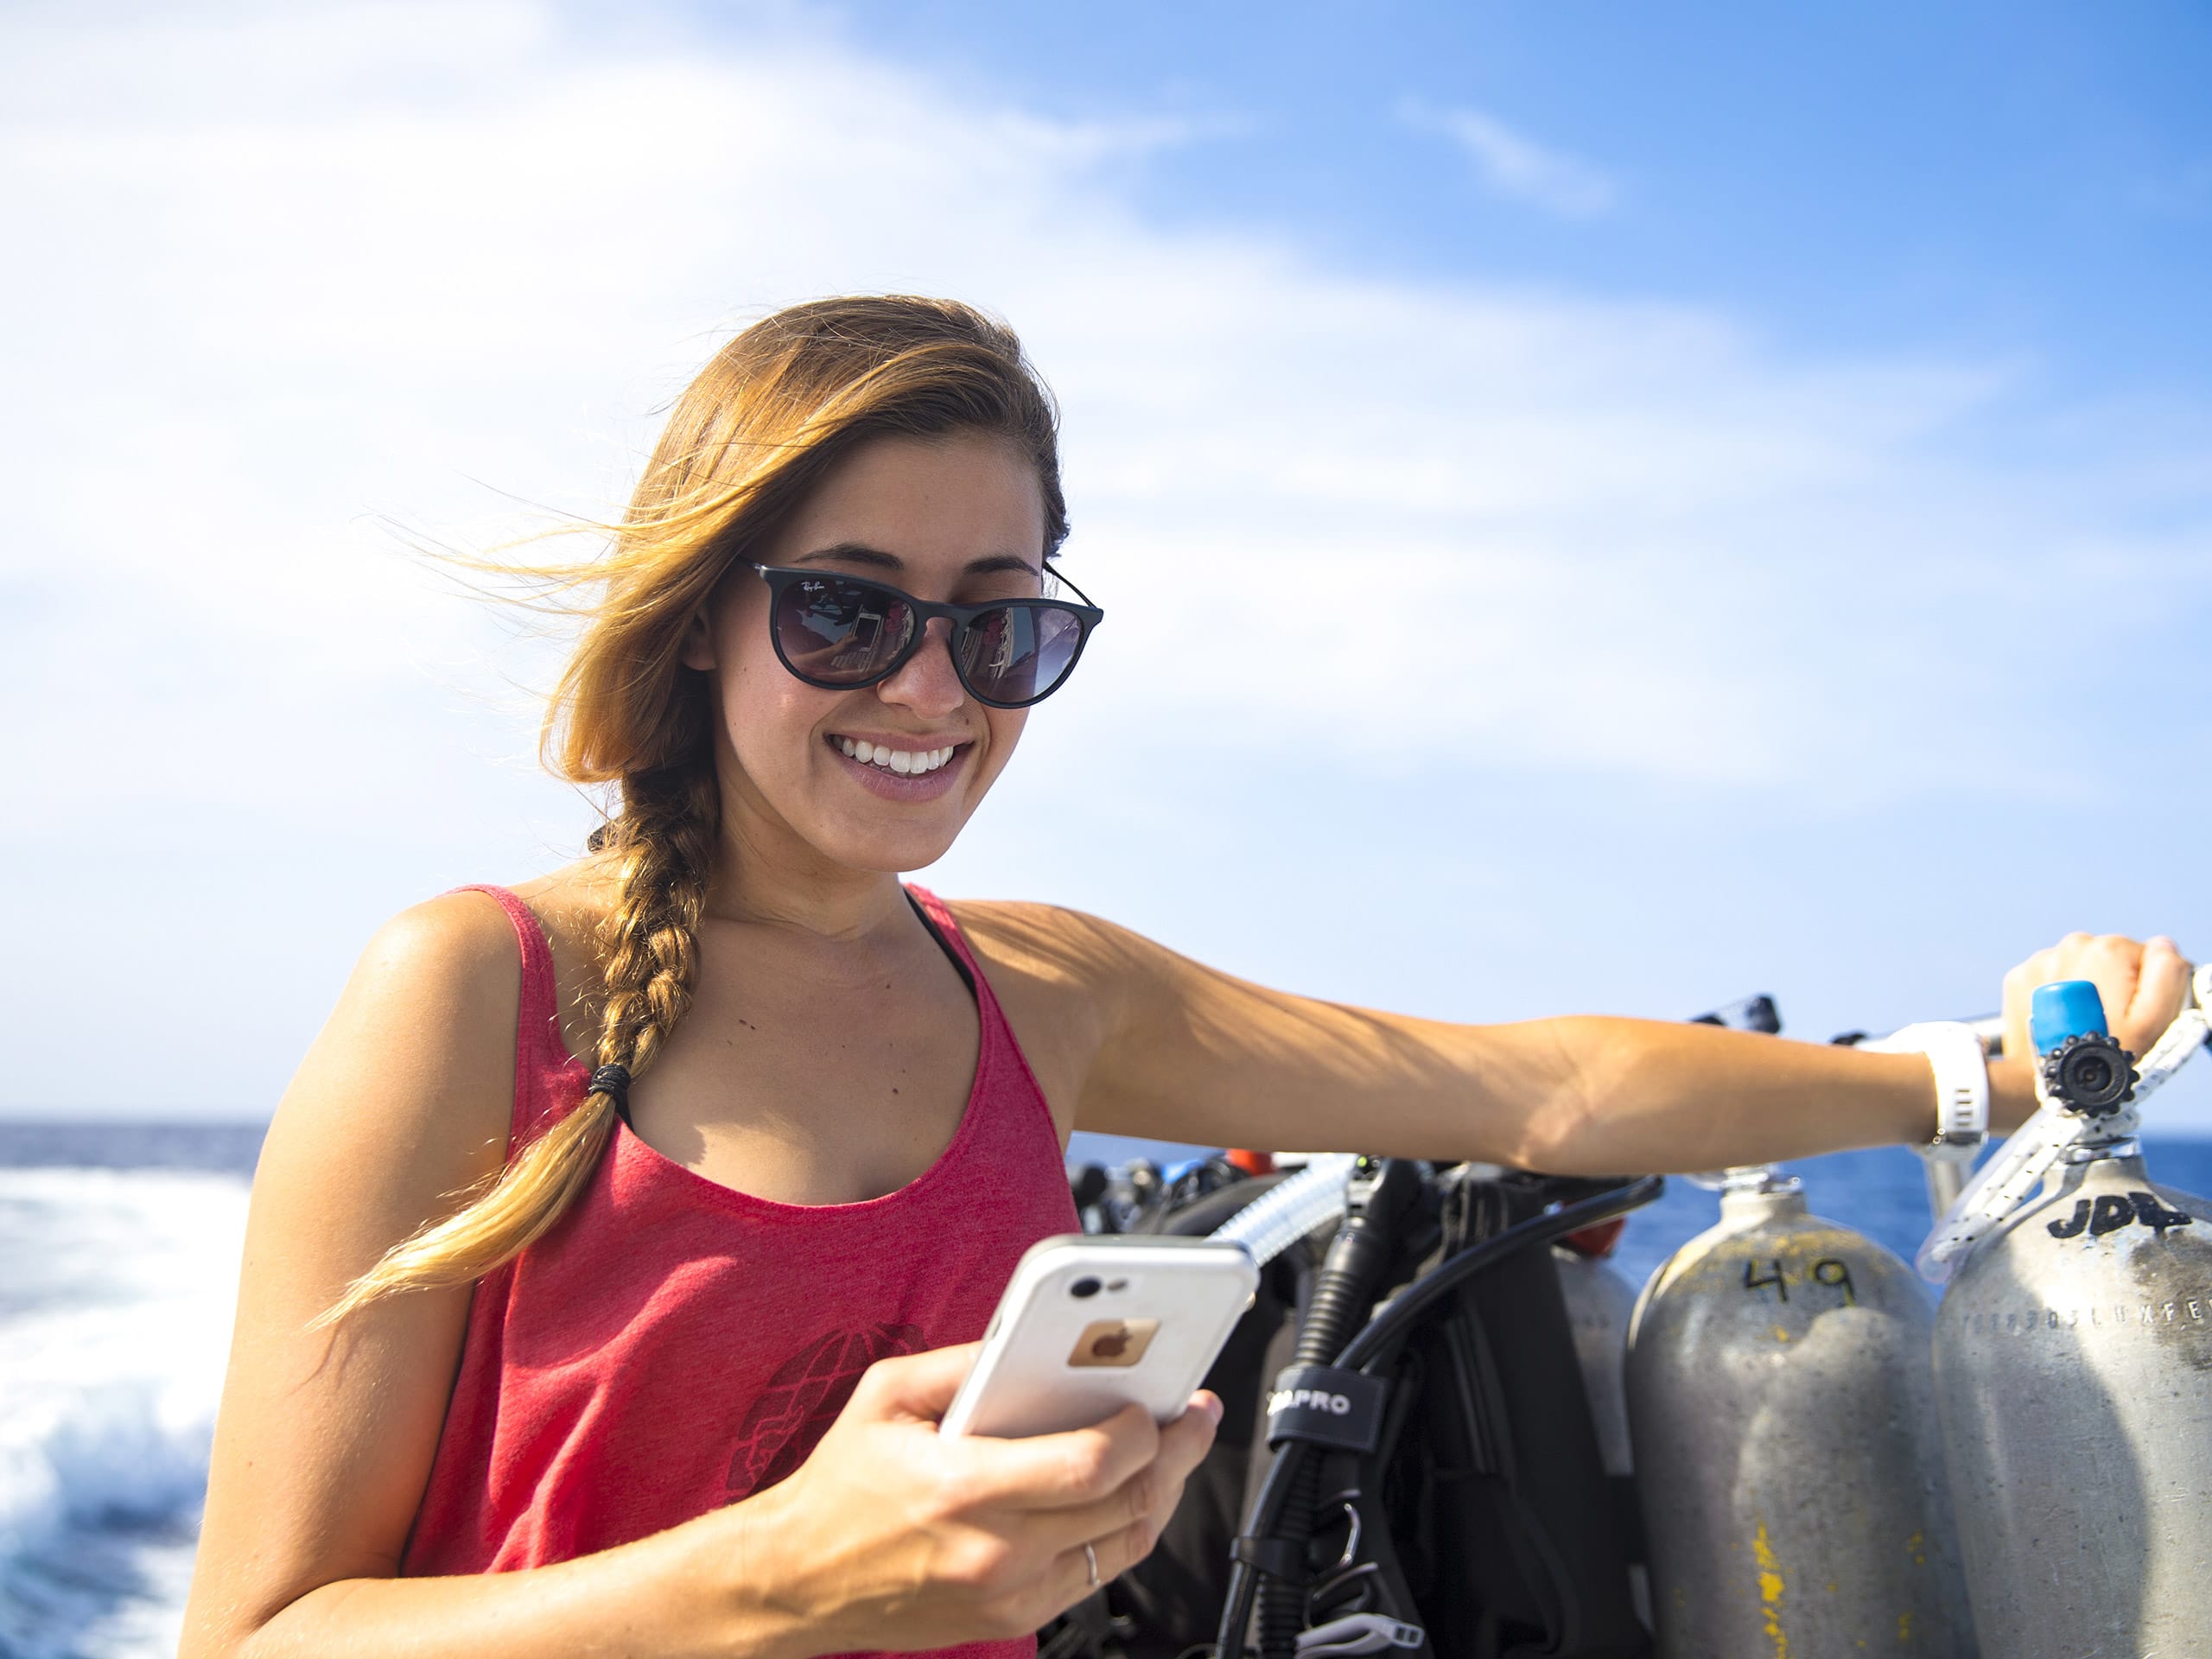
[737, 1159]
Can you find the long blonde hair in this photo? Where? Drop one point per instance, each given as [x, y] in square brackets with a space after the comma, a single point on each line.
[751, 435]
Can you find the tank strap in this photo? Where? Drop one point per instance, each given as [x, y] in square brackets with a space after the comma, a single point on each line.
[1328, 1406]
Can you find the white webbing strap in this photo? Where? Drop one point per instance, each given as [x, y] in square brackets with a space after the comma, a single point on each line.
[2017, 1169]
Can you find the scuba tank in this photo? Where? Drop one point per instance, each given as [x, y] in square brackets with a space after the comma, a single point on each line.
[1781, 1407]
[1599, 1303]
[2074, 1363]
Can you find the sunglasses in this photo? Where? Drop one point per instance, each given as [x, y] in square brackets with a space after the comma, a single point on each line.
[839, 632]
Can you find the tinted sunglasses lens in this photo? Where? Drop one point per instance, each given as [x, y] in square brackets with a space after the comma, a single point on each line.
[837, 632]
[1018, 653]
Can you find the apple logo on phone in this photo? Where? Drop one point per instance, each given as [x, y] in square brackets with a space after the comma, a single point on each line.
[1113, 1342]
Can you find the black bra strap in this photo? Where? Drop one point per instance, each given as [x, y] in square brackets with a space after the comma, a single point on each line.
[943, 943]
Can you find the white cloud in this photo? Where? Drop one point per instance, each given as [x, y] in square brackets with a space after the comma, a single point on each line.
[277, 274]
[1516, 166]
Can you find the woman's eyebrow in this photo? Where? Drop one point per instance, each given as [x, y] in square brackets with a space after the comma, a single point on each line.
[861, 553]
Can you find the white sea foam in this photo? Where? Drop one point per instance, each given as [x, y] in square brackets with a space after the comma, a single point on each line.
[114, 1325]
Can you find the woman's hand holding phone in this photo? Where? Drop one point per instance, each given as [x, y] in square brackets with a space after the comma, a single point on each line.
[894, 1536]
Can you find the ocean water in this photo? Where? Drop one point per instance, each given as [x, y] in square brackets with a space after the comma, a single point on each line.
[121, 1246]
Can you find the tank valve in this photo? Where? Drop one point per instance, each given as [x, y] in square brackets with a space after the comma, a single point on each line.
[2090, 1073]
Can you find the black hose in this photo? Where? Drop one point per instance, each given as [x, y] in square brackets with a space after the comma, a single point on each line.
[1352, 1274]
[1374, 1342]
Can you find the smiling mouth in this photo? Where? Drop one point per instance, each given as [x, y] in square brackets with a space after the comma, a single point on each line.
[905, 762]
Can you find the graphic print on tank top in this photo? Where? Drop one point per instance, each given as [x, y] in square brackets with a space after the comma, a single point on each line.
[804, 1398]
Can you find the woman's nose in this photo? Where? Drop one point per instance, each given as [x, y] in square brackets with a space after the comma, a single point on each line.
[926, 682]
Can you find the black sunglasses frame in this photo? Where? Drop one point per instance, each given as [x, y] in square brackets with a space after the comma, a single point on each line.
[963, 618]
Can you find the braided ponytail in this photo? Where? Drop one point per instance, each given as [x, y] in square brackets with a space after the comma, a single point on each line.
[662, 840]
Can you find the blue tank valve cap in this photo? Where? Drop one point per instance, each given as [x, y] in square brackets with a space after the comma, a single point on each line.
[2066, 1007]
[2083, 1069]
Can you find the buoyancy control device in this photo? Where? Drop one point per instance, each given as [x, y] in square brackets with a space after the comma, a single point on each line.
[1460, 1508]
[1477, 1521]
[1781, 1404]
[2073, 1361]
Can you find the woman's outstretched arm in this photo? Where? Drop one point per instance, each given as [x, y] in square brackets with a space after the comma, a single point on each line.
[1140, 1041]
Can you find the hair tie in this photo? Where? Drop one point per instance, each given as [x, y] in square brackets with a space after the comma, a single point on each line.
[613, 1082]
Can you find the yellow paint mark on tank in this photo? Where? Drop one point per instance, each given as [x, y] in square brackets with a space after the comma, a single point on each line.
[1780, 1334]
[1918, 1544]
[1833, 1586]
[1771, 1586]
[1905, 1625]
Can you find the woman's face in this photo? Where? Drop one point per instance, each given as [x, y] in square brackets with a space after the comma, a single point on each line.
[957, 518]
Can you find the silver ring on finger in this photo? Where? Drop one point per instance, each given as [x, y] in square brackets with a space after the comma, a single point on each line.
[1091, 1563]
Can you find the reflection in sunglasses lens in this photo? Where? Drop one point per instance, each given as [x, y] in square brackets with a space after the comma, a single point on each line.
[840, 633]
[1019, 653]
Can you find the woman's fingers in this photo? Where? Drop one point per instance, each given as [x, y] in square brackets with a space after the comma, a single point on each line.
[1126, 1525]
[2142, 986]
[2161, 987]
[1151, 1494]
[915, 1387]
[1066, 1470]
[899, 1529]
[1115, 1553]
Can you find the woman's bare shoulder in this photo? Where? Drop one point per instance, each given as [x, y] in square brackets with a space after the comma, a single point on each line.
[1063, 978]
[1055, 947]
[416, 1061]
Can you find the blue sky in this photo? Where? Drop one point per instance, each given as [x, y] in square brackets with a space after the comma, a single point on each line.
[1805, 419]
[2002, 178]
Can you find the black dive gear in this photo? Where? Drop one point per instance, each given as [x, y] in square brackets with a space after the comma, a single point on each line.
[1455, 1495]
[1314, 1396]
[1438, 1353]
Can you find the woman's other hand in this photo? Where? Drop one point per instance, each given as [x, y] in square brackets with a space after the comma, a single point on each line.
[892, 1536]
[2142, 986]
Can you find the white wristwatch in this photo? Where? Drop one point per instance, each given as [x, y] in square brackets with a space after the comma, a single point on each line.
[1961, 1068]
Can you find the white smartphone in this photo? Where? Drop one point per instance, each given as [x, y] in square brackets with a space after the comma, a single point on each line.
[1088, 1325]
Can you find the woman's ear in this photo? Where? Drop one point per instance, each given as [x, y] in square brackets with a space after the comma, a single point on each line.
[697, 650]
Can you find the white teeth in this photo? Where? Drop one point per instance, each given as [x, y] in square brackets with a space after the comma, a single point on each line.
[905, 762]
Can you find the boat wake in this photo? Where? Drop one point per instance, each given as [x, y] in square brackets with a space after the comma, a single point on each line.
[114, 1325]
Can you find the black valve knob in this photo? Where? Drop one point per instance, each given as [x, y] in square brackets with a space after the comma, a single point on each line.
[2091, 1074]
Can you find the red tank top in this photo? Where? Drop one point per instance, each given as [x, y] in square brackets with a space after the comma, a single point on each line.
[673, 1346]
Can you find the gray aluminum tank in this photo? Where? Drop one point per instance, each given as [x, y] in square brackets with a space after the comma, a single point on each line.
[2074, 1372]
[1599, 1303]
[1781, 1404]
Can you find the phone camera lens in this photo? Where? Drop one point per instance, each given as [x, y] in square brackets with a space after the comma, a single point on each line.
[1084, 1288]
